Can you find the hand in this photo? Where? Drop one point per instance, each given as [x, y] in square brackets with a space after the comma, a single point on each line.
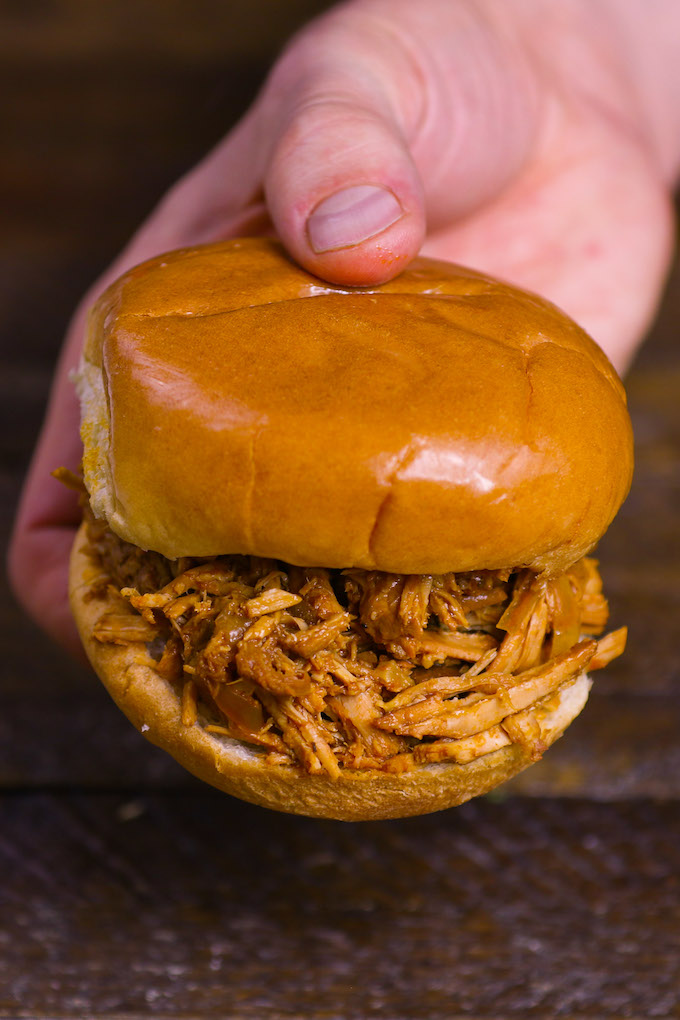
[509, 137]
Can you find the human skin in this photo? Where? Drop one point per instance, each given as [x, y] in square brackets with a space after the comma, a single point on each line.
[537, 141]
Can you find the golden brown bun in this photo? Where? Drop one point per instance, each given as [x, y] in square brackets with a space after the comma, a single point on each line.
[152, 705]
[444, 421]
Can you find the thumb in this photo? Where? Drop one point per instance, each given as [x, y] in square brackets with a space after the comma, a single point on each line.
[341, 186]
[383, 119]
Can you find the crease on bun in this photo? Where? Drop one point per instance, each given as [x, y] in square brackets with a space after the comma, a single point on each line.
[153, 706]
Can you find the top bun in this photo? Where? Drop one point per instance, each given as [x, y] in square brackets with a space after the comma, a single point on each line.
[233, 403]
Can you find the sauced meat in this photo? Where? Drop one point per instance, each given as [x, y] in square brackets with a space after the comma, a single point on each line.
[356, 669]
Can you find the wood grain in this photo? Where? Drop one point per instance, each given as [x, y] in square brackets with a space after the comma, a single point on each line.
[188, 905]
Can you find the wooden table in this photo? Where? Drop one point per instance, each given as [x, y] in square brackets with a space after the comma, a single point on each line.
[128, 890]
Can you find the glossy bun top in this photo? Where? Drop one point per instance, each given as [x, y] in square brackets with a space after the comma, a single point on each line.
[233, 403]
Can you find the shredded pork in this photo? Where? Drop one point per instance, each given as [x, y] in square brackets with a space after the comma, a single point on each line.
[330, 670]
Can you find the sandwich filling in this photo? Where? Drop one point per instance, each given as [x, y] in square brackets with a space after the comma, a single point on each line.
[353, 669]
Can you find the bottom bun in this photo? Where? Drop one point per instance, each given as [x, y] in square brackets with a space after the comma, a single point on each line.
[151, 703]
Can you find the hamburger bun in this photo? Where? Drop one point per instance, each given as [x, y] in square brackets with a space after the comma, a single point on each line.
[445, 422]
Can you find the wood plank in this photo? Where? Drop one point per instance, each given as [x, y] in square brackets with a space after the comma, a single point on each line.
[188, 905]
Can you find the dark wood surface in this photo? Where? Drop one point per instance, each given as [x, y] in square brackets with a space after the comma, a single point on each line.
[126, 888]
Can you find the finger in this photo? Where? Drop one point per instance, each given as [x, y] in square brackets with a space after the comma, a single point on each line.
[385, 117]
[341, 186]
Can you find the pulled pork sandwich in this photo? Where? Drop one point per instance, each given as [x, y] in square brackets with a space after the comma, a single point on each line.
[335, 549]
